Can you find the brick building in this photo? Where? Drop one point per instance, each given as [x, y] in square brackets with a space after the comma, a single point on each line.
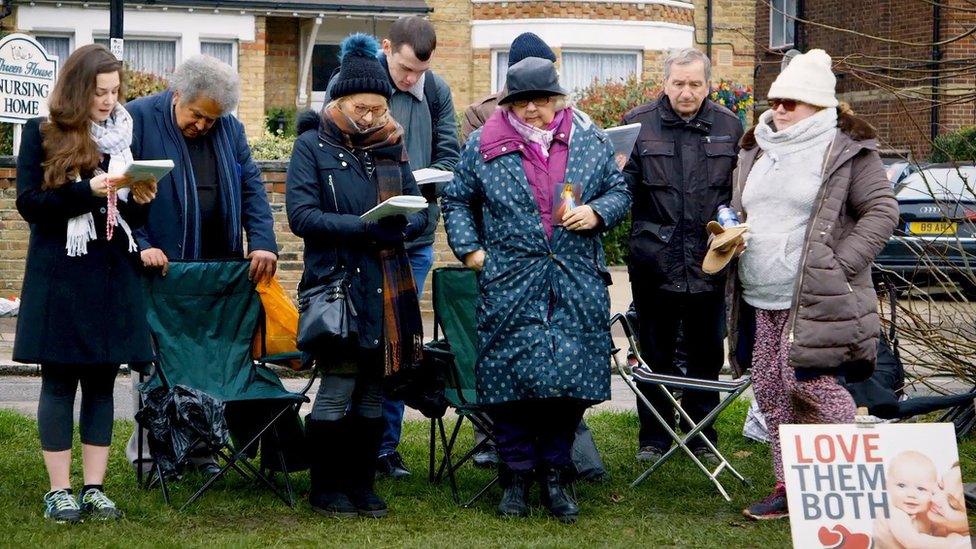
[885, 68]
[286, 50]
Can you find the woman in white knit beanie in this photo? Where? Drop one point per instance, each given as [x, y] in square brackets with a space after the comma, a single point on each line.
[804, 316]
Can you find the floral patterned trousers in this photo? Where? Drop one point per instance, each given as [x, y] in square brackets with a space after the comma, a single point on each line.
[781, 397]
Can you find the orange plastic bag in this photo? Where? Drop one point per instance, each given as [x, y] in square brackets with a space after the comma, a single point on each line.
[278, 331]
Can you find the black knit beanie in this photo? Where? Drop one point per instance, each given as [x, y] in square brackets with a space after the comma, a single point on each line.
[529, 44]
[360, 70]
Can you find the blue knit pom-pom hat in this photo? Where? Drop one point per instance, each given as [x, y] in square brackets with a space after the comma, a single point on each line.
[360, 70]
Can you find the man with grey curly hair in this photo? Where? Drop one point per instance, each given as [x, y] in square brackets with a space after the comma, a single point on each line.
[207, 76]
[214, 195]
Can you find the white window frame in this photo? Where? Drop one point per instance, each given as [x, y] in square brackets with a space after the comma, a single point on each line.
[495, 68]
[638, 54]
[234, 52]
[177, 41]
[53, 34]
[781, 14]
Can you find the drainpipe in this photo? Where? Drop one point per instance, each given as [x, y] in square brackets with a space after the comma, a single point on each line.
[708, 29]
[799, 37]
[302, 99]
[936, 58]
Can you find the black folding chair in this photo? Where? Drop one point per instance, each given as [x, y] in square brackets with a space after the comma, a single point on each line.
[665, 383]
[455, 298]
[203, 316]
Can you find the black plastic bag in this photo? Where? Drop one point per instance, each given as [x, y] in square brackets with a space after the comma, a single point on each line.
[178, 419]
[421, 387]
[586, 458]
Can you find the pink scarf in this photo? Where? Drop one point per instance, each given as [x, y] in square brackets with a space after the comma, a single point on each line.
[538, 140]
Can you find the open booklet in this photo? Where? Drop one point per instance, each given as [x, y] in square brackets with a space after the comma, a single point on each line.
[397, 205]
[141, 170]
[432, 181]
[623, 138]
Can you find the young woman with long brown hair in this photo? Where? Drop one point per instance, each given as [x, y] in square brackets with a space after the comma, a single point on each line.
[82, 312]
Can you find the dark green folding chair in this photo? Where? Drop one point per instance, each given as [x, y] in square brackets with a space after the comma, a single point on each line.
[455, 298]
[203, 316]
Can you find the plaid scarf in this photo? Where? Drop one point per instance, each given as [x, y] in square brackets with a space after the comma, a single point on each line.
[402, 327]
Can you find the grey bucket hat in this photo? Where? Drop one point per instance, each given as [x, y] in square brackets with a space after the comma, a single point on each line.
[531, 77]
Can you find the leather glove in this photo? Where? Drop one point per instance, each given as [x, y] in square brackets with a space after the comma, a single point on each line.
[389, 230]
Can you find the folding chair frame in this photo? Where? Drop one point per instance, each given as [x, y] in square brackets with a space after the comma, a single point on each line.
[664, 383]
[234, 459]
[477, 418]
[447, 465]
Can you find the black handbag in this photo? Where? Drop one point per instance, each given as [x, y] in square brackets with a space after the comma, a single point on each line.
[326, 316]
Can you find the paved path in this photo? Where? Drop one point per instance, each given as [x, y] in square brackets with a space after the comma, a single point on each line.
[19, 393]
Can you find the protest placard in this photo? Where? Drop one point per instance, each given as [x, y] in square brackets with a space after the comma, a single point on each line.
[886, 486]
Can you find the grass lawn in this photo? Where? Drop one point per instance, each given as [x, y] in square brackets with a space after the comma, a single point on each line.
[675, 507]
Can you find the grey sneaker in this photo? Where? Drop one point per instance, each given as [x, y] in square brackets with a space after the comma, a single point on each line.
[61, 507]
[706, 456]
[97, 506]
[649, 454]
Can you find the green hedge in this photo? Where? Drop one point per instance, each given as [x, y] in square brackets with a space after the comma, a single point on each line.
[957, 146]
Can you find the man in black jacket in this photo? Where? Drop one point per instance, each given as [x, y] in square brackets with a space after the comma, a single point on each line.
[680, 172]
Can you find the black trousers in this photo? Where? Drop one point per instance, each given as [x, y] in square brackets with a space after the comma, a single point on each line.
[55, 407]
[537, 433]
[701, 319]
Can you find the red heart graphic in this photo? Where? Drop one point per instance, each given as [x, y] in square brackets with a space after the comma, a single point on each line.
[839, 537]
[828, 538]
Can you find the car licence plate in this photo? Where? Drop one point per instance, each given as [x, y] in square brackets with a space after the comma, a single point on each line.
[938, 228]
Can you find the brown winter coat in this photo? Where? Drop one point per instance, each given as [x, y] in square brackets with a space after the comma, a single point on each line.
[833, 322]
[476, 114]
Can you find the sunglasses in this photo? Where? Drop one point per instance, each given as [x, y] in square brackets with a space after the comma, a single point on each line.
[538, 102]
[789, 105]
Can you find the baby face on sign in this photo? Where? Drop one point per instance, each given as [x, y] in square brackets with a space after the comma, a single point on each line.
[911, 480]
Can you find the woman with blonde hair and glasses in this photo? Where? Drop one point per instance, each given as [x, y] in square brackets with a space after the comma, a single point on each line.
[346, 160]
[83, 311]
[536, 187]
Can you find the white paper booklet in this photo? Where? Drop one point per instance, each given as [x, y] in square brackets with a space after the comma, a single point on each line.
[144, 169]
[432, 175]
[397, 205]
[623, 138]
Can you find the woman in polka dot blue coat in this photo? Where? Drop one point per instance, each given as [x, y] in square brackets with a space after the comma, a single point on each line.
[543, 317]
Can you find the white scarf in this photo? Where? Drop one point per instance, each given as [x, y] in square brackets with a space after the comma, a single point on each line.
[113, 138]
[803, 135]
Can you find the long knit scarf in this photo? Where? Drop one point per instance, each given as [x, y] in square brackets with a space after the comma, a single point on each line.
[809, 132]
[402, 326]
[113, 138]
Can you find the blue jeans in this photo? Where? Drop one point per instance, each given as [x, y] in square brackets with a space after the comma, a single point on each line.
[421, 260]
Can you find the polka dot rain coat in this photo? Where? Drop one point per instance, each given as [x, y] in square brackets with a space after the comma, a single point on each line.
[544, 310]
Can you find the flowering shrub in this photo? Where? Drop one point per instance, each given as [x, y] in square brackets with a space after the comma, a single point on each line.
[607, 102]
[273, 146]
[140, 84]
[736, 98]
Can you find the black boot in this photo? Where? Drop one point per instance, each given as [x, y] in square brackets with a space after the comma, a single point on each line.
[516, 490]
[326, 496]
[555, 497]
[367, 433]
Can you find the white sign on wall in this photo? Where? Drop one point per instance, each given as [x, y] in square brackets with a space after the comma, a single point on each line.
[27, 74]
